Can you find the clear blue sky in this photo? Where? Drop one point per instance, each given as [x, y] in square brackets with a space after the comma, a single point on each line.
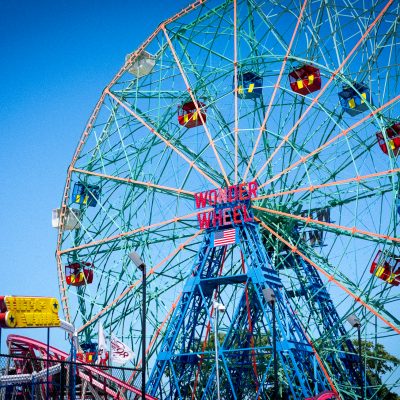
[55, 59]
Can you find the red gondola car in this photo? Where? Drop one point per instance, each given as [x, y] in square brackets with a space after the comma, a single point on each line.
[386, 267]
[188, 115]
[90, 355]
[305, 80]
[79, 273]
[393, 138]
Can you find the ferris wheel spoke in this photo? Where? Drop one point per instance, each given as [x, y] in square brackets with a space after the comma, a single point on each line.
[147, 185]
[167, 142]
[324, 88]
[345, 198]
[276, 86]
[211, 105]
[389, 63]
[191, 94]
[316, 42]
[144, 45]
[205, 18]
[343, 133]
[354, 231]
[235, 80]
[87, 130]
[331, 278]
[356, 179]
[119, 298]
[132, 232]
[345, 194]
[181, 35]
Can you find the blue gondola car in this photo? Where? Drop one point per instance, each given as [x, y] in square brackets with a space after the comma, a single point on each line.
[354, 102]
[85, 194]
[249, 85]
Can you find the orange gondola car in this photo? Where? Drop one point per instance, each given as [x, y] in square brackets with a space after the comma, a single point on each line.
[305, 80]
[188, 115]
[386, 267]
[393, 139]
[79, 273]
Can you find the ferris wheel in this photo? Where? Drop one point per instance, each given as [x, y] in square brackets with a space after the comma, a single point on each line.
[294, 101]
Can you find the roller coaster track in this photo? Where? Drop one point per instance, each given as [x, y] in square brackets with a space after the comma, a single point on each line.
[22, 348]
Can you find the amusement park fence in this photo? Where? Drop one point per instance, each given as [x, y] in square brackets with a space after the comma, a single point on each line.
[25, 378]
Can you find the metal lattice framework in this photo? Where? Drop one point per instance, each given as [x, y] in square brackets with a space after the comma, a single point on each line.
[327, 192]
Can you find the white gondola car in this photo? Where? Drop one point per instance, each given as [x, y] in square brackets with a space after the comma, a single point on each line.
[143, 65]
[72, 219]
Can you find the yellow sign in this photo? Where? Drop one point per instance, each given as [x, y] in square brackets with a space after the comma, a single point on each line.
[31, 312]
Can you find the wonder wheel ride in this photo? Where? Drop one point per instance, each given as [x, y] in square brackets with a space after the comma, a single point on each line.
[288, 111]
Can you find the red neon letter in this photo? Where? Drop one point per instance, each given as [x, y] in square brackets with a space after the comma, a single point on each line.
[217, 217]
[201, 200]
[246, 216]
[236, 215]
[227, 216]
[204, 220]
[243, 194]
[232, 197]
[253, 186]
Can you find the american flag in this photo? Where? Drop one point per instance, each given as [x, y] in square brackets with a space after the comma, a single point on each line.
[222, 238]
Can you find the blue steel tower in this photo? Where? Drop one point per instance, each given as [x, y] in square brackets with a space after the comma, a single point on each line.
[235, 271]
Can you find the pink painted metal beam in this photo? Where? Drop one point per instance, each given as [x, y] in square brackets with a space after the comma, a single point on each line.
[308, 220]
[358, 179]
[235, 77]
[191, 163]
[133, 232]
[139, 281]
[343, 133]
[195, 102]
[134, 182]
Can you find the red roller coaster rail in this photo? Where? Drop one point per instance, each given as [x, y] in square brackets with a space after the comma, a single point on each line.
[21, 346]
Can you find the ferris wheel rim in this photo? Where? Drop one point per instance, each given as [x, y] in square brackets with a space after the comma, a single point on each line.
[181, 190]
